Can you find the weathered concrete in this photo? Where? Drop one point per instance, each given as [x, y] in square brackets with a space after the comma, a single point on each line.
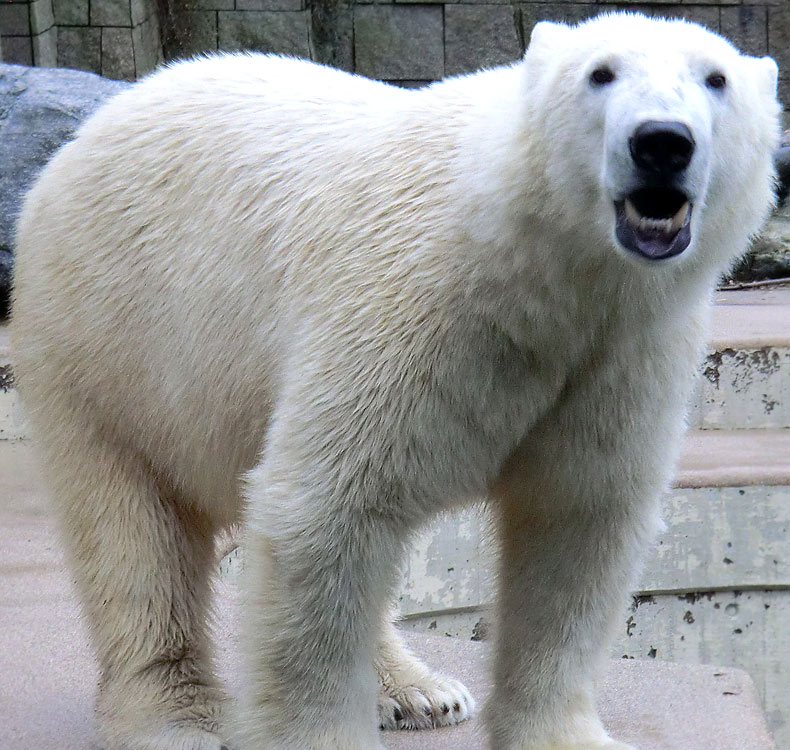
[49, 676]
[743, 381]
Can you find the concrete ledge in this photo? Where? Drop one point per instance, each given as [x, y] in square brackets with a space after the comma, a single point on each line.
[750, 319]
[735, 458]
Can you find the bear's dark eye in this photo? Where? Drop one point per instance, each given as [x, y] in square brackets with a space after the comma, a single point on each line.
[601, 76]
[716, 81]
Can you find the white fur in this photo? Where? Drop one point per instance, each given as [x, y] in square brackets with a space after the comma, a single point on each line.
[373, 304]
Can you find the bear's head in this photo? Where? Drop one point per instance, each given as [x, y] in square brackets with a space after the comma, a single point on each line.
[658, 135]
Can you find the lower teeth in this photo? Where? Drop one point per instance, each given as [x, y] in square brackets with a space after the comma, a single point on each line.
[647, 224]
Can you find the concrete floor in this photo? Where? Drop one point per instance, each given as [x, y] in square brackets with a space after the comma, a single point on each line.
[47, 675]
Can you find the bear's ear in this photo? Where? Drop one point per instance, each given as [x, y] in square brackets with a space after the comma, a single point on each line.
[766, 73]
[547, 35]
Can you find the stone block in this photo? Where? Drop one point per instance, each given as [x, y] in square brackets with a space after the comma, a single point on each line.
[477, 36]
[71, 12]
[409, 84]
[111, 13]
[265, 31]
[79, 48]
[197, 32]
[710, 2]
[332, 34]
[779, 38]
[631, 4]
[705, 15]
[746, 26]
[117, 54]
[645, 10]
[141, 10]
[45, 48]
[531, 13]
[18, 50]
[147, 46]
[208, 5]
[463, 2]
[784, 92]
[41, 16]
[14, 19]
[271, 4]
[399, 42]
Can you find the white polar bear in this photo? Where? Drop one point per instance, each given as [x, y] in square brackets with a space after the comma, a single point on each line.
[375, 304]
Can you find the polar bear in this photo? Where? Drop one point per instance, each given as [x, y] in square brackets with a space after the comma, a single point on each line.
[258, 290]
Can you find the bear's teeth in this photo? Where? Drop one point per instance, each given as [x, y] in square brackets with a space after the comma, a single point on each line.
[655, 225]
[646, 224]
[679, 219]
[631, 214]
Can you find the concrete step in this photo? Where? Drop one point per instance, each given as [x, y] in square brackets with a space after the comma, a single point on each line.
[47, 676]
[744, 377]
[735, 458]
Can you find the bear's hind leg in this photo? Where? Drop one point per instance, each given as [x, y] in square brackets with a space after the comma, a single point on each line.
[411, 696]
[141, 559]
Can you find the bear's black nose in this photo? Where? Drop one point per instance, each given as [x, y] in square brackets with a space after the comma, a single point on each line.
[662, 149]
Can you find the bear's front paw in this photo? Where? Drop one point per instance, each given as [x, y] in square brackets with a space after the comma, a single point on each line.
[428, 703]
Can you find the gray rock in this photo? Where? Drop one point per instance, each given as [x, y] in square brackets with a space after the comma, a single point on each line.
[39, 109]
[769, 255]
[783, 168]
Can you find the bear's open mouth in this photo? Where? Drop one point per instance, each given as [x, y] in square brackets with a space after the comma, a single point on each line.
[654, 222]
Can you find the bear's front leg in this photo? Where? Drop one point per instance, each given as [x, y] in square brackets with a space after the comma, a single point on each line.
[321, 562]
[578, 506]
[563, 581]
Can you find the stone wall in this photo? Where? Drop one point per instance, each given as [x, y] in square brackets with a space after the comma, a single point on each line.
[116, 38]
[403, 41]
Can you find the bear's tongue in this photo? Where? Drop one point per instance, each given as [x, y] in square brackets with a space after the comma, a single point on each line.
[653, 237]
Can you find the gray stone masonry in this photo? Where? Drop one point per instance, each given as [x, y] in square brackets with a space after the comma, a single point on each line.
[409, 42]
[116, 38]
[395, 42]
